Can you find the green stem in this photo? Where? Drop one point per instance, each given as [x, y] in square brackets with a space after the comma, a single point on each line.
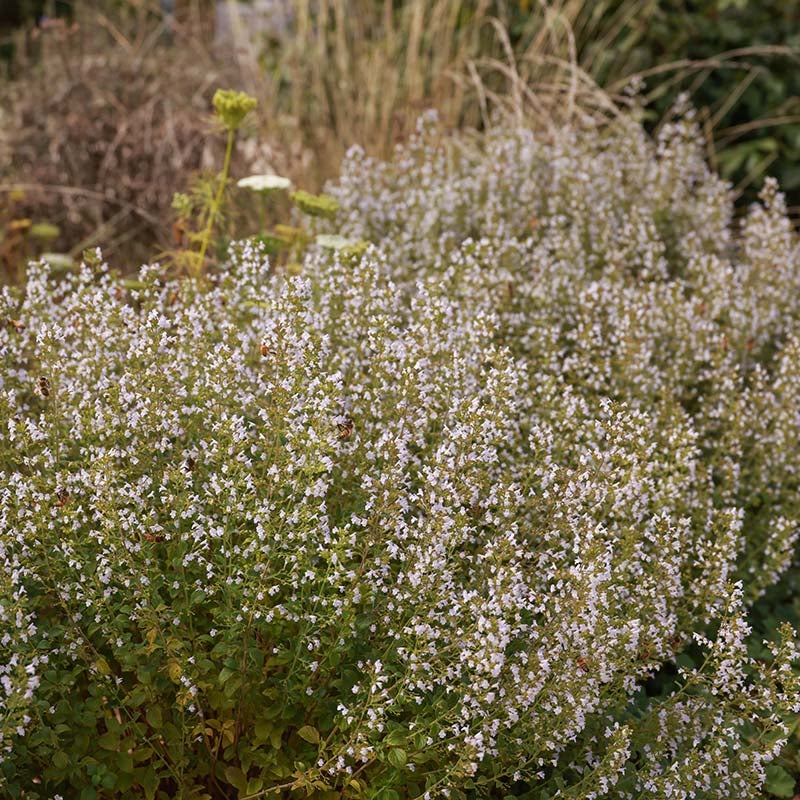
[212, 214]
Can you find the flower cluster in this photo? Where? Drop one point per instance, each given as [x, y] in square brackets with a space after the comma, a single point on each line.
[421, 521]
[232, 107]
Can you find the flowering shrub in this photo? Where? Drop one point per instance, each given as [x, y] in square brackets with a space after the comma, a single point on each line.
[611, 263]
[421, 521]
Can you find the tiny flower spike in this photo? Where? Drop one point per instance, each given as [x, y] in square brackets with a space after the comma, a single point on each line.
[231, 107]
[377, 526]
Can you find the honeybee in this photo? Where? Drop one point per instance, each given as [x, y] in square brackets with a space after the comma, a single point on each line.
[345, 428]
[62, 496]
[44, 386]
[582, 664]
[16, 324]
[190, 464]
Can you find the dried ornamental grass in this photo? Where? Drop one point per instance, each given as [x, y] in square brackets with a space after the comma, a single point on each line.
[421, 523]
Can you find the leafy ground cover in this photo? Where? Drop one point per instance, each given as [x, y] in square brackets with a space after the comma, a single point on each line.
[475, 505]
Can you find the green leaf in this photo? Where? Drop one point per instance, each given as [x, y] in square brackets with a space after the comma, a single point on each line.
[149, 781]
[44, 231]
[309, 733]
[125, 763]
[779, 782]
[397, 737]
[136, 698]
[232, 686]
[142, 754]
[272, 244]
[124, 781]
[236, 778]
[397, 757]
[333, 241]
[154, 717]
[276, 738]
[60, 759]
[109, 741]
[685, 660]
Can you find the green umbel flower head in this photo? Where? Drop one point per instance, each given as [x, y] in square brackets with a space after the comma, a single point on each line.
[315, 205]
[232, 107]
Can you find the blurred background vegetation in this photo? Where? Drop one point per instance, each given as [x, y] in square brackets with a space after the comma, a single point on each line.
[104, 103]
[738, 61]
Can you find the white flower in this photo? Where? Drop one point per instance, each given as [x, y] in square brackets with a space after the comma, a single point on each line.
[264, 183]
[335, 242]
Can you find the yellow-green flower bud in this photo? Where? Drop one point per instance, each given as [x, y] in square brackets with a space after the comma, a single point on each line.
[232, 107]
[182, 203]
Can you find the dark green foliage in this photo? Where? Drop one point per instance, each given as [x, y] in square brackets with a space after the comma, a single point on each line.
[736, 59]
[770, 86]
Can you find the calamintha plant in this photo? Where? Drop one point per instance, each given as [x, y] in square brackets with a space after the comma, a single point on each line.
[424, 521]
